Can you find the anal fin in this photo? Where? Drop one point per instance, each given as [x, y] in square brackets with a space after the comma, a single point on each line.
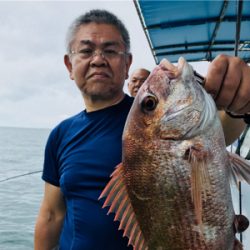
[239, 168]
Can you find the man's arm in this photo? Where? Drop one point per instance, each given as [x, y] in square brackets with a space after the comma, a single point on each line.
[232, 127]
[50, 219]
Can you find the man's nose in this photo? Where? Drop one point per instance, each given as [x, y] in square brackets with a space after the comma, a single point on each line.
[98, 59]
[138, 83]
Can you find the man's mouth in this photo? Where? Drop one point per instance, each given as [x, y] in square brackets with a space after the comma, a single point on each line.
[135, 90]
[99, 75]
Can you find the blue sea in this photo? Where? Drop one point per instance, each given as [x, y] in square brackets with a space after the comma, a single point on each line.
[21, 187]
[21, 152]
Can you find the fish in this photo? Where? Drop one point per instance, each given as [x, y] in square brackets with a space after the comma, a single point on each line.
[172, 189]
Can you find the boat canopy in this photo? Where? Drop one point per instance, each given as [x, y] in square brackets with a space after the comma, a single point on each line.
[196, 30]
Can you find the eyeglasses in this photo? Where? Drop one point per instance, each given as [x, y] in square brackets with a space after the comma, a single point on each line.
[107, 54]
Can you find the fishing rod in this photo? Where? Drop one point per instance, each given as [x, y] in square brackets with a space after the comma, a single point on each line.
[20, 175]
[237, 39]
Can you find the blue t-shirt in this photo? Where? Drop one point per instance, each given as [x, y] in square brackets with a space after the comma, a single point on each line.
[80, 155]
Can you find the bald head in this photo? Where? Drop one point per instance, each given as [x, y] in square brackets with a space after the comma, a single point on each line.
[136, 79]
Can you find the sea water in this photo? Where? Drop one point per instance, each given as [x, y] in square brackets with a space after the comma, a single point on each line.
[21, 152]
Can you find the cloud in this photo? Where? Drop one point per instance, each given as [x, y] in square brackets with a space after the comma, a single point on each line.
[35, 90]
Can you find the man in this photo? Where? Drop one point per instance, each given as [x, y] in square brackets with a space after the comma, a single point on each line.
[83, 150]
[136, 79]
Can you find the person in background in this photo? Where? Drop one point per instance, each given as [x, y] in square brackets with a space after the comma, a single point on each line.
[136, 79]
[83, 150]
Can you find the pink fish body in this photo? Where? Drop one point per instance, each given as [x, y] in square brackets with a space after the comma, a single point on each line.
[172, 190]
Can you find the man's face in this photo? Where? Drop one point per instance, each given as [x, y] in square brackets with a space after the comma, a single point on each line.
[99, 64]
[136, 80]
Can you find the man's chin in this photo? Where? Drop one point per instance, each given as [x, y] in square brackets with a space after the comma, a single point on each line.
[101, 95]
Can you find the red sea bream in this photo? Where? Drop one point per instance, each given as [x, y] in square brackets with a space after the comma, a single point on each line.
[172, 191]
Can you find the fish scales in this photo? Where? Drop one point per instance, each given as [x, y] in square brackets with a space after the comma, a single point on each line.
[175, 167]
[167, 217]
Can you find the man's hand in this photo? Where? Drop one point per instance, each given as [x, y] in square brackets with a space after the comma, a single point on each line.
[228, 81]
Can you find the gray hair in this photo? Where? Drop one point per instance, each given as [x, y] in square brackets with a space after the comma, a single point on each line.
[97, 16]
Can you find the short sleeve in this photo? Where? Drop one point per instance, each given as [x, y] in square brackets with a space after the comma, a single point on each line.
[50, 166]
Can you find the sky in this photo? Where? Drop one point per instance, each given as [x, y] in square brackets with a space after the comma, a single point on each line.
[35, 89]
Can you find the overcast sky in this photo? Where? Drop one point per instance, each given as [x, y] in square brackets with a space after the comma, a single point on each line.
[35, 90]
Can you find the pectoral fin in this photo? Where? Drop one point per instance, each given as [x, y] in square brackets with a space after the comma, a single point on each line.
[200, 184]
[239, 168]
[118, 199]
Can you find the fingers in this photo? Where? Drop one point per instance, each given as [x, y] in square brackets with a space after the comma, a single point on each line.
[241, 103]
[228, 81]
[215, 76]
[230, 85]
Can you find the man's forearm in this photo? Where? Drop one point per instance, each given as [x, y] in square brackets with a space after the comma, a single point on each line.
[232, 127]
[47, 234]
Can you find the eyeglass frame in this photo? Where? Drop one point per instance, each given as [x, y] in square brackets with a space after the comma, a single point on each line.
[99, 52]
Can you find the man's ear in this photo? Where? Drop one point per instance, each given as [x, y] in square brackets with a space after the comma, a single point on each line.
[128, 63]
[68, 64]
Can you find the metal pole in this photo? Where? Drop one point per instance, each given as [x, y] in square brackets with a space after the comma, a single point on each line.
[237, 39]
[238, 23]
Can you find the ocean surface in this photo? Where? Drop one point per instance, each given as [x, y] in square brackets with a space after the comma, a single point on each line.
[21, 156]
[21, 152]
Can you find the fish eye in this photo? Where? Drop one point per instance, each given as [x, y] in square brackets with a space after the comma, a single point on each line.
[149, 103]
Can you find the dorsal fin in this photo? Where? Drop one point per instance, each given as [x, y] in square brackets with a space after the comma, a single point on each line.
[118, 199]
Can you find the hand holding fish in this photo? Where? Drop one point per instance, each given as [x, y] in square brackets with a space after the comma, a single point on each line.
[228, 81]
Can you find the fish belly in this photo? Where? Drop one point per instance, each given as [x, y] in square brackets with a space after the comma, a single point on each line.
[161, 198]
